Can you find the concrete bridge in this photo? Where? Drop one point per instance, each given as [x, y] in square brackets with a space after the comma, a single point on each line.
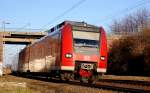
[20, 37]
[17, 38]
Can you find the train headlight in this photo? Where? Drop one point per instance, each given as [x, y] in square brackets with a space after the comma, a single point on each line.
[68, 55]
[102, 58]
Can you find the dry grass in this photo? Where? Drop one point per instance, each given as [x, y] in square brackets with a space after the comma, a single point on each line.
[8, 89]
[36, 86]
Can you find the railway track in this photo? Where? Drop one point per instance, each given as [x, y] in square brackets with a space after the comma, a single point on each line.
[121, 86]
[137, 82]
[124, 85]
[128, 86]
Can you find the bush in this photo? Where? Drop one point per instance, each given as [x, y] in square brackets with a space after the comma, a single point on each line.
[130, 55]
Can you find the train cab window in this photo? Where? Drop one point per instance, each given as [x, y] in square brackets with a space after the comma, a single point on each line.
[85, 41]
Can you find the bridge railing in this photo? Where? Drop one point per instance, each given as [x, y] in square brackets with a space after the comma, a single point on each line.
[22, 30]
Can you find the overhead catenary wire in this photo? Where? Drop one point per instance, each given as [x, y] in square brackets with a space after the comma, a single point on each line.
[26, 25]
[64, 13]
[121, 12]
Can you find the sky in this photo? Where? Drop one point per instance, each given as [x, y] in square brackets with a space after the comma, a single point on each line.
[40, 14]
[44, 14]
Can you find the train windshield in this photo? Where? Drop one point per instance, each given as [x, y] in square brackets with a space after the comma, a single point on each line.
[86, 42]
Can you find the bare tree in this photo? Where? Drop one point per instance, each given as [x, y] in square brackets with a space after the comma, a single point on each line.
[131, 23]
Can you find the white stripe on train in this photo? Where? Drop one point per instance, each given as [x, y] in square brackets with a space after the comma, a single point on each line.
[101, 69]
[67, 68]
[72, 68]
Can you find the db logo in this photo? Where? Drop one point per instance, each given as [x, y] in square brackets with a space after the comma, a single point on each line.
[86, 57]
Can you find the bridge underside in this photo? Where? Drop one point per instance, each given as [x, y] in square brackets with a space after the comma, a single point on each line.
[20, 41]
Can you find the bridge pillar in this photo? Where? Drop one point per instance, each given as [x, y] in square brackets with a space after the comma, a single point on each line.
[1, 55]
[1, 69]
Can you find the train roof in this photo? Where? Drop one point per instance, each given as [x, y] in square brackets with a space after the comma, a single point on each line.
[73, 23]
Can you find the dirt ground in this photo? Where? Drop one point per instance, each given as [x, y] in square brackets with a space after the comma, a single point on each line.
[13, 84]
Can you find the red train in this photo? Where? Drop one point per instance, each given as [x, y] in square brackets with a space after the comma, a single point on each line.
[71, 50]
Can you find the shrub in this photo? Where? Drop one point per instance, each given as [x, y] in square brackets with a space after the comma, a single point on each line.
[130, 55]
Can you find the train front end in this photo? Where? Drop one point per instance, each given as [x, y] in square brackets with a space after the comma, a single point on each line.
[88, 52]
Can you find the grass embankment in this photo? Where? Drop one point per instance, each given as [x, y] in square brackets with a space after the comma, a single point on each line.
[6, 89]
